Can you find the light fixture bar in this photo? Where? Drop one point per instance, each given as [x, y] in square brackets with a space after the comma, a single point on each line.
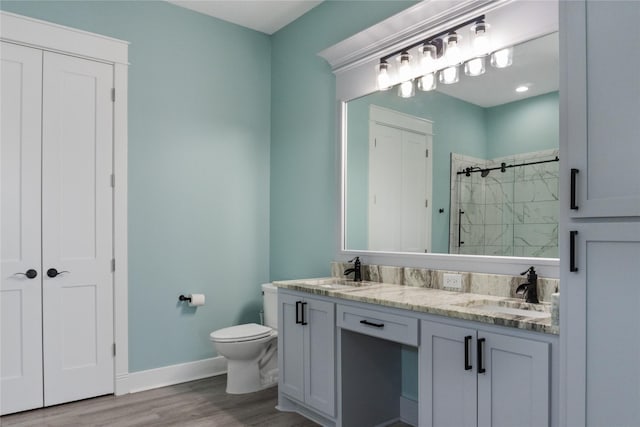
[435, 39]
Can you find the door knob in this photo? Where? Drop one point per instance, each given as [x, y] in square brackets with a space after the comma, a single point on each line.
[52, 272]
[31, 274]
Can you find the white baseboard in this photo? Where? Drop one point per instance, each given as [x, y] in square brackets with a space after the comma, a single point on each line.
[409, 411]
[175, 374]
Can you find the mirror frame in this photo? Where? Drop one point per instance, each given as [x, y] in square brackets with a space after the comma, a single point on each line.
[353, 61]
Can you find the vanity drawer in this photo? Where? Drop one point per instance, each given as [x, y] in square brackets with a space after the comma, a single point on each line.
[378, 324]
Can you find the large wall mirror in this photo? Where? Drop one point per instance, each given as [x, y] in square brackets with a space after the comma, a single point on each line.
[468, 168]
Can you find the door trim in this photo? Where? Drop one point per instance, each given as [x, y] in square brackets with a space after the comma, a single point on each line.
[47, 36]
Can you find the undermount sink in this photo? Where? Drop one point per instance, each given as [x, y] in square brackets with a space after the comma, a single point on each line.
[514, 308]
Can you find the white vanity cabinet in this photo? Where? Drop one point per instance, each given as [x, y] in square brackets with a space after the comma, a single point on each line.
[306, 349]
[603, 107]
[600, 255]
[472, 377]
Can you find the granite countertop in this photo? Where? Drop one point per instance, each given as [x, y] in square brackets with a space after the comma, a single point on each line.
[457, 305]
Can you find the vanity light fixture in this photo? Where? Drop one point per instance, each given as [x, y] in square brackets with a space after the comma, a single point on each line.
[442, 55]
[502, 58]
[384, 79]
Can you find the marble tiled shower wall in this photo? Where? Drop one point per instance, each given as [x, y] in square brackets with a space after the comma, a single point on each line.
[511, 213]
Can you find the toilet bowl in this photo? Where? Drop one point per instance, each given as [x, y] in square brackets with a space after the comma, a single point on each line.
[251, 349]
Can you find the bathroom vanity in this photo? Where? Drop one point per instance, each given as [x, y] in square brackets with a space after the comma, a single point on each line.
[482, 359]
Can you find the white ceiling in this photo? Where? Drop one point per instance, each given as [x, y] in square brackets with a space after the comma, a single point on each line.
[535, 64]
[266, 16]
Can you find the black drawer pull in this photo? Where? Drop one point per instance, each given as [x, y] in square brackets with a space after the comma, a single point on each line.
[574, 172]
[467, 365]
[375, 325]
[481, 369]
[572, 251]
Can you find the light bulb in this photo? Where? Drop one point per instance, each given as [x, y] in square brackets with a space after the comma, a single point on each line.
[384, 80]
[474, 67]
[428, 57]
[453, 54]
[480, 42]
[427, 82]
[406, 90]
[522, 88]
[404, 69]
[449, 75]
[502, 58]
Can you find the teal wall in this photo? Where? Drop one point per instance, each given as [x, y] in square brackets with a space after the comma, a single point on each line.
[199, 129]
[523, 126]
[304, 148]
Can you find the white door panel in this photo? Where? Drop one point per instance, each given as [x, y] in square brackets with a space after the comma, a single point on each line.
[20, 297]
[77, 228]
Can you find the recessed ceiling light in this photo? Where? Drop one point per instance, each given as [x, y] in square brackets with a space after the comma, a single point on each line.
[522, 88]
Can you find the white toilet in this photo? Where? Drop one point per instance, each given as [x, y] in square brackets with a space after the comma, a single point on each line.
[251, 349]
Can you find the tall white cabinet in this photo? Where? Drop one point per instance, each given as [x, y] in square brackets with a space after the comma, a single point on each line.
[600, 228]
[57, 209]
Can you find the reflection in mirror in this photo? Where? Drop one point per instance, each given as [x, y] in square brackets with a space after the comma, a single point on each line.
[426, 173]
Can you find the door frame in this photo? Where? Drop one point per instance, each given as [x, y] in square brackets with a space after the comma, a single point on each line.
[47, 36]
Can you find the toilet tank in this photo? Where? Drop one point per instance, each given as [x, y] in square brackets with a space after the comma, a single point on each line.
[270, 305]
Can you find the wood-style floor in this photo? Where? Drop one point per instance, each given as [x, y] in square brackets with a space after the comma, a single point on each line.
[197, 403]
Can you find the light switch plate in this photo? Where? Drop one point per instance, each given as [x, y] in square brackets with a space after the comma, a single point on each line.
[452, 281]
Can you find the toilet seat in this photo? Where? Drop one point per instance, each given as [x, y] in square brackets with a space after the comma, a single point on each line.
[248, 332]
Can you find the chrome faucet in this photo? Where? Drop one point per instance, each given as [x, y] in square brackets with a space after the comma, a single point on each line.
[356, 270]
[529, 290]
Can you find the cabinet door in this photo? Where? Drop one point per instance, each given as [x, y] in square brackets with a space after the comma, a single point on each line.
[514, 389]
[603, 115]
[20, 296]
[290, 346]
[77, 305]
[447, 378]
[319, 386]
[600, 326]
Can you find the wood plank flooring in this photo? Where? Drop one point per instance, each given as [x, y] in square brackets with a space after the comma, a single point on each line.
[196, 403]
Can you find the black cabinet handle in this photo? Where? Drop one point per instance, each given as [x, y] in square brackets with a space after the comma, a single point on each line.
[52, 272]
[30, 274]
[304, 321]
[481, 369]
[572, 251]
[574, 172]
[375, 325]
[298, 321]
[467, 365]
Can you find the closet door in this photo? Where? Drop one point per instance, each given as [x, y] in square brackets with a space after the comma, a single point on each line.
[77, 229]
[20, 295]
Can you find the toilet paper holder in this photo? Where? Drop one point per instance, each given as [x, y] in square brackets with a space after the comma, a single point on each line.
[184, 298]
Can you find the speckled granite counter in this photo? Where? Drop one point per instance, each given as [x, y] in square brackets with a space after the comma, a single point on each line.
[476, 307]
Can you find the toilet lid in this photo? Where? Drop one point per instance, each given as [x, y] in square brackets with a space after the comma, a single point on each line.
[250, 331]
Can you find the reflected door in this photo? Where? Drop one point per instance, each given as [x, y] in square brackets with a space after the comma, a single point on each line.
[399, 183]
